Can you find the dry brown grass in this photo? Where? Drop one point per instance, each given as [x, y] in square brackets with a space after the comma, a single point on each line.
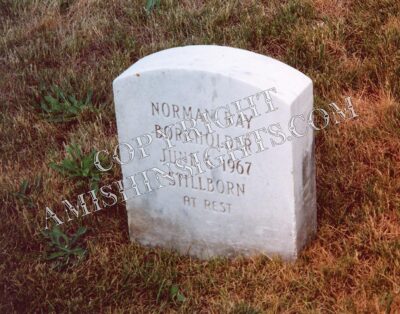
[346, 47]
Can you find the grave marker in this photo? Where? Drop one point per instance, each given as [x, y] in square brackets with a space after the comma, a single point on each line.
[233, 178]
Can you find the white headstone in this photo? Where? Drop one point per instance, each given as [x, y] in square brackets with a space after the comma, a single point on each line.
[263, 202]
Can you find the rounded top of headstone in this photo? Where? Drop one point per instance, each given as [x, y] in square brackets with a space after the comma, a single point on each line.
[239, 64]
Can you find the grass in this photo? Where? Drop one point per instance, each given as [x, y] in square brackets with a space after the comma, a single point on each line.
[79, 167]
[63, 108]
[63, 248]
[349, 48]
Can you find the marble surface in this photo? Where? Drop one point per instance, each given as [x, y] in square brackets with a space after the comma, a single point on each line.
[261, 203]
